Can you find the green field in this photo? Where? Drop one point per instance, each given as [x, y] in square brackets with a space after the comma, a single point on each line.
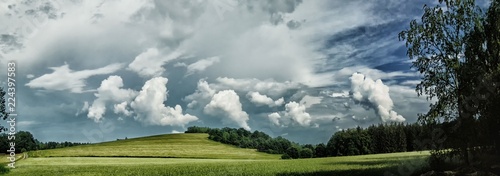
[160, 146]
[194, 154]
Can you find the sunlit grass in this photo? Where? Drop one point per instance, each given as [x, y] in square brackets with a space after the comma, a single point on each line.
[395, 163]
[194, 154]
[163, 146]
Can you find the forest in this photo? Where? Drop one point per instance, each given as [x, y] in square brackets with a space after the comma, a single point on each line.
[382, 138]
[24, 141]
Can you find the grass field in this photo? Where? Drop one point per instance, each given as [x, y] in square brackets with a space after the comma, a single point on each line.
[396, 163]
[194, 154]
[161, 146]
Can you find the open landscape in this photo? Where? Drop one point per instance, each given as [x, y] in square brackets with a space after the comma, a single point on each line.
[194, 154]
[260, 87]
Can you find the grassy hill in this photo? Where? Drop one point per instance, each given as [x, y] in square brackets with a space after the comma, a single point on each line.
[190, 145]
[195, 154]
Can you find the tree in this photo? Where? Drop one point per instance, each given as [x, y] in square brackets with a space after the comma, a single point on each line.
[285, 156]
[306, 153]
[483, 61]
[25, 140]
[4, 143]
[3, 113]
[437, 46]
[293, 152]
[320, 151]
[196, 129]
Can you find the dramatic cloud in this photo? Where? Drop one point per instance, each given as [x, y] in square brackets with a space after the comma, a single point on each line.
[150, 62]
[122, 108]
[110, 91]
[274, 118]
[376, 94]
[203, 93]
[227, 103]
[201, 65]
[284, 65]
[256, 90]
[63, 78]
[294, 114]
[298, 113]
[259, 100]
[149, 107]
[268, 87]
[308, 101]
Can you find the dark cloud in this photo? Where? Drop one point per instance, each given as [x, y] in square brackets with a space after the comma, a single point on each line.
[303, 52]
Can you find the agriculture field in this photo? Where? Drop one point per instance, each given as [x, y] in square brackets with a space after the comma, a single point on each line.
[194, 154]
[163, 146]
[396, 163]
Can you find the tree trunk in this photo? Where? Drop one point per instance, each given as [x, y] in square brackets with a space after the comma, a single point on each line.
[463, 126]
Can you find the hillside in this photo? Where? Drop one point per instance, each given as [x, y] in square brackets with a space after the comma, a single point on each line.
[192, 145]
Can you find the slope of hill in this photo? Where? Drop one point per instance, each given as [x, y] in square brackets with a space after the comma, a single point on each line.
[192, 145]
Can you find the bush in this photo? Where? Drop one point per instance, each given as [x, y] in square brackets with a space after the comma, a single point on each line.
[4, 170]
[306, 153]
[285, 156]
[293, 152]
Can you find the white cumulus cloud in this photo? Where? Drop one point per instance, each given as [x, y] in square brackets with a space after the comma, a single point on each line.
[376, 94]
[274, 118]
[259, 100]
[297, 112]
[122, 108]
[149, 107]
[110, 91]
[227, 103]
[203, 93]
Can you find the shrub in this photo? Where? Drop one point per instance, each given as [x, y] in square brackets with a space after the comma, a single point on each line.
[306, 153]
[293, 152]
[285, 156]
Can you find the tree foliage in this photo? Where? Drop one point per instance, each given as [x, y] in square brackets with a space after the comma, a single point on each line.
[482, 73]
[3, 113]
[455, 46]
[382, 138]
[25, 141]
[436, 46]
[196, 129]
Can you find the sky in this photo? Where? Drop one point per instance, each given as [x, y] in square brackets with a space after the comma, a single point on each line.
[92, 71]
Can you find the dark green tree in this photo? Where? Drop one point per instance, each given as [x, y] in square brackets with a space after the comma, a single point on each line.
[293, 152]
[4, 143]
[3, 113]
[306, 153]
[25, 140]
[320, 151]
[482, 72]
[436, 45]
[285, 156]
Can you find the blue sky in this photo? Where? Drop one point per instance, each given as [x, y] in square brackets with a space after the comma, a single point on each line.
[102, 70]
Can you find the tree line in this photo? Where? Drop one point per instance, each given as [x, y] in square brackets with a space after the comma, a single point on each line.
[255, 140]
[382, 138]
[24, 141]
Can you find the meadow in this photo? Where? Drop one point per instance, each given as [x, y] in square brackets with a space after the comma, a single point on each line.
[395, 163]
[159, 146]
[194, 154]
